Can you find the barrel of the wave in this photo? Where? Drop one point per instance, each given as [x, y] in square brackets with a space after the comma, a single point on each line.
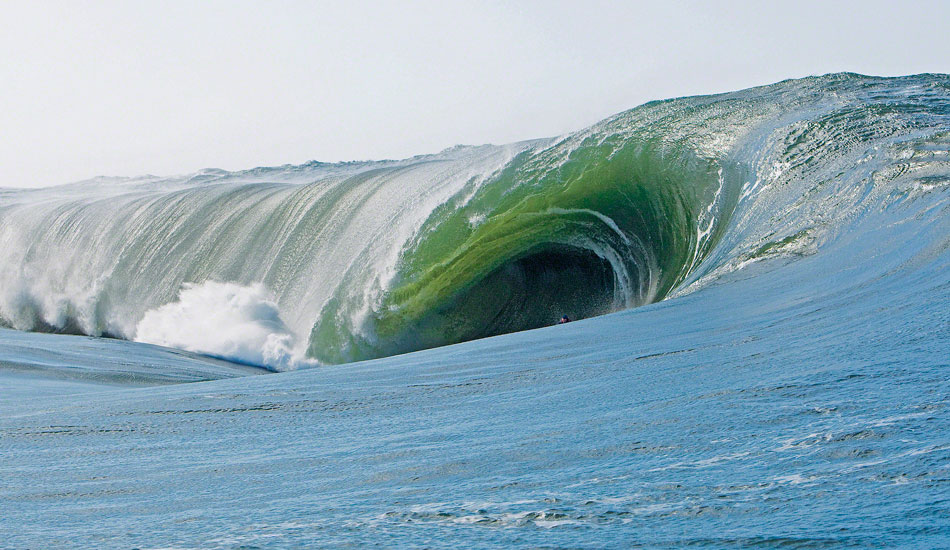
[610, 224]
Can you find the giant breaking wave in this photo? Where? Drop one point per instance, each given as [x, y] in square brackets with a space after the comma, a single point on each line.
[330, 263]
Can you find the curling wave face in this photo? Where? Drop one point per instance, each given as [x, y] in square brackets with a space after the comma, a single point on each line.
[340, 262]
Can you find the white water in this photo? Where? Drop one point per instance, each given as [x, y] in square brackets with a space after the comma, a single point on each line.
[241, 323]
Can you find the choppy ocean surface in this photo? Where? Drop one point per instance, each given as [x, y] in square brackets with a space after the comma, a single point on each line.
[781, 380]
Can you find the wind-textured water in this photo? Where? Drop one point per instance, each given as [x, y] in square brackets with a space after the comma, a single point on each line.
[765, 276]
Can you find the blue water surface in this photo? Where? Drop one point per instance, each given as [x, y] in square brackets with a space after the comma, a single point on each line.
[799, 402]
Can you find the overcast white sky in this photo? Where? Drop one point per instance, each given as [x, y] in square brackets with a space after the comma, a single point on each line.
[128, 88]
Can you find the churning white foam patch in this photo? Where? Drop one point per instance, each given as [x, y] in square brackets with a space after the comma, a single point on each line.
[227, 320]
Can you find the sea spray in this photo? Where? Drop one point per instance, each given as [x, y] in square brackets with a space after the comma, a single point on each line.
[234, 322]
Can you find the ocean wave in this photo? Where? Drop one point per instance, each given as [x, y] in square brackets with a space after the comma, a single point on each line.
[327, 263]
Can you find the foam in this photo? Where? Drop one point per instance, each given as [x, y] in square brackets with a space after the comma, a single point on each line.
[227, 320]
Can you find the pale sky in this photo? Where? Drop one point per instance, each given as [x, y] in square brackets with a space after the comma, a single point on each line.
[128, 88]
